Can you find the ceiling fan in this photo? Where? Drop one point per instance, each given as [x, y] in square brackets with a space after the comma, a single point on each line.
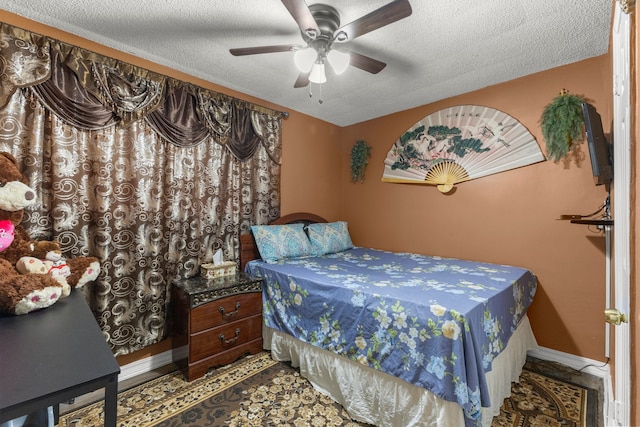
[321, 31]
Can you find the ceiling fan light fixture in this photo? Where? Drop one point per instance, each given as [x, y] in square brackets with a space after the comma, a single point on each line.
[320, 29]
[304, 59]
[311, 33]
[339, 61]
[340, 37]
[317, 73]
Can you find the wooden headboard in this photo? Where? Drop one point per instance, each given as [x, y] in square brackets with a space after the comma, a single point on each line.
[248, 248]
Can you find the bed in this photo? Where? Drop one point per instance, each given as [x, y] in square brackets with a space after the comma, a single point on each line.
[398, 339]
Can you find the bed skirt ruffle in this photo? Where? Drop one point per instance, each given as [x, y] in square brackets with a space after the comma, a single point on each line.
[380, 399]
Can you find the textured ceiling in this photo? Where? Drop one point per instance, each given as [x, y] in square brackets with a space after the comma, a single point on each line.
[445, 48]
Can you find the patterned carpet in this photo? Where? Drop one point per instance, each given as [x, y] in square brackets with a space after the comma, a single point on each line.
[257, 391]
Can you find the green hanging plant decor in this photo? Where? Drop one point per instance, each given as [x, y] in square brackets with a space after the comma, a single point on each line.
[562, 124]
[360, 154]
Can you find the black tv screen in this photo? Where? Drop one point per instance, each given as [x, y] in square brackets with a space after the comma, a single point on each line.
[599, 149]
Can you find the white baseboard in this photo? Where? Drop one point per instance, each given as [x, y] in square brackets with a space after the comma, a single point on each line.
[150, 363]
[588, 366]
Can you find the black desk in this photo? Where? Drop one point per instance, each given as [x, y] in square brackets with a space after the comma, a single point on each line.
[53, 355]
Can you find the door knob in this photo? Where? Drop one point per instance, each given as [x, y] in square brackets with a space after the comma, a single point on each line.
[614, 316]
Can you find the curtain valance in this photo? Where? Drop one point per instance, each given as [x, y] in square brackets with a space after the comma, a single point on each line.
[91, 92]
[135, 168]
[70, 101]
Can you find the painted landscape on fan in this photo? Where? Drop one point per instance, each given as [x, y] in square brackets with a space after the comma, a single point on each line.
[460, 143]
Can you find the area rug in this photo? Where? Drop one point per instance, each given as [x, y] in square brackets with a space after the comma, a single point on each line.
[258, 391]
[538, 400]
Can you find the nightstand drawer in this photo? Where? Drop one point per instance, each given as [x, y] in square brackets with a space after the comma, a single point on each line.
[225, 310]
[226, 337]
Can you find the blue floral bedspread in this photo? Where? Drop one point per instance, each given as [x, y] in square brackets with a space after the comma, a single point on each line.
[434, 322]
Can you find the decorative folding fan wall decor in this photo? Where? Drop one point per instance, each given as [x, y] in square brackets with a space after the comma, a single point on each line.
[458, 144]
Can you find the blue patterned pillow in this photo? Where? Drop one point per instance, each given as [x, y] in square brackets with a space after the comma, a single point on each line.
[329, 238]
[276, 242]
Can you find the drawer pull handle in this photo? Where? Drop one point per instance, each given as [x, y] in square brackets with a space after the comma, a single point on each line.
[230, 340]
[230, 314]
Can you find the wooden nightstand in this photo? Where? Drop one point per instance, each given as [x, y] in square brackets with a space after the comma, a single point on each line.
[218, 319]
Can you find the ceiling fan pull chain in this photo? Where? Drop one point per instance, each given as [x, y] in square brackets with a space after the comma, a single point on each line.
[311, 85]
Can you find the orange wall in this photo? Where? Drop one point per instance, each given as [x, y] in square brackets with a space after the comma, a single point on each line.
[311, 178]
[510, 217]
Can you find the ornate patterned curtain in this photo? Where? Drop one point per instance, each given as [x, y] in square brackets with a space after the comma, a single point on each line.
[149, 174]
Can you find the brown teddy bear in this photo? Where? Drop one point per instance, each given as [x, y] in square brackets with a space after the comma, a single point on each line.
[15, 195]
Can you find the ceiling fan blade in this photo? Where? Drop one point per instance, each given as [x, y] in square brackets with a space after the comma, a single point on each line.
[303, 80]
[388, 14]
[263, 49]
[303, 17]
[366, 63]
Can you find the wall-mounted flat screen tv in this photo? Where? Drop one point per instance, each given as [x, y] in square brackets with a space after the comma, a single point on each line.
[600, 150]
